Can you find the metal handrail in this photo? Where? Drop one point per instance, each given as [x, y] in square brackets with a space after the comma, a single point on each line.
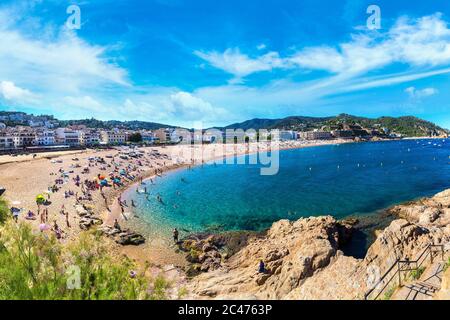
[427, 251]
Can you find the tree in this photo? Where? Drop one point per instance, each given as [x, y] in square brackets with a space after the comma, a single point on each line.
[135, 137]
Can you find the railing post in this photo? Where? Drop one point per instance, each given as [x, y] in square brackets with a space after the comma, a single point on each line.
[399, 274]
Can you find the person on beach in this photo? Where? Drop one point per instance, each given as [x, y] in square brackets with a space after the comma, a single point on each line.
[262, 267]
[30, 216]
[67, 219]
[57, 230]
[117, 225]
[175, 235]
[15, 213]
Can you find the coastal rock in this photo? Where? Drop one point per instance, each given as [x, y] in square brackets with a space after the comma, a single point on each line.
[123, 237]
[303, 261]
[292, 252]
[130, 238]
[88, 221]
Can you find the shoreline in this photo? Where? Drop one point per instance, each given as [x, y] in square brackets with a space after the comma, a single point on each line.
[368, 228]
[140, 253]
[19, 175]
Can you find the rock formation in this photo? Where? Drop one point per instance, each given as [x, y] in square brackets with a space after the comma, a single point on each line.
[304, 261]
[123, 237]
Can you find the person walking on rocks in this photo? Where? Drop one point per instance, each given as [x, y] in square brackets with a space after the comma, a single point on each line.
[262, 267]
[175, 235]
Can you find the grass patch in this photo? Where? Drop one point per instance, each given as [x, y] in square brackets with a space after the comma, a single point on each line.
[416, 274]
[160, 286]
[447, 265]
[389, 293]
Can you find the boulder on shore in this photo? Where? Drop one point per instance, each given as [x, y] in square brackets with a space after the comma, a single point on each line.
[123, 237]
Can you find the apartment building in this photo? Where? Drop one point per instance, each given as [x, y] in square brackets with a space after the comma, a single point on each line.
[113, 137]
[6, 140]
[286, 135]
[45, 138]
[89, 138]
[67, 136]
[163, 135]
[315, 135]
[23, 137]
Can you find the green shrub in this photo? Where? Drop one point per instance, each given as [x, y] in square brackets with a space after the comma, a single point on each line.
[389, 293]
[447, 265]
[416, 274]
[160, 286]
[34, 265]
[4, 211]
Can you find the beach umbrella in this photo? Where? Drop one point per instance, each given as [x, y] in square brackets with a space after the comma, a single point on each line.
[104, 182]
[40, 199]
[101, 177]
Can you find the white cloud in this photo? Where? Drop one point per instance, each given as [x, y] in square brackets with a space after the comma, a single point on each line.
[261, 46]
[176, 107]
[55, 58]
[419, 94]
[240, 65]
[84, 102]
[13, 93]
[423, 42]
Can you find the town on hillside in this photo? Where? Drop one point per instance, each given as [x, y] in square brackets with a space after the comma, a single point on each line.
[20, 131]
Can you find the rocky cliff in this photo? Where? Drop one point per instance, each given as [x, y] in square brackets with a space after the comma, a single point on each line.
[303, 259]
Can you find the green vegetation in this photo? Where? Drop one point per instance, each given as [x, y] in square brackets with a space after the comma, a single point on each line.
[407, 126]
[447, 265]
[389, 293]
[135, 137]
[4, 211]
[160, 287]
[182, 293]
[106, 125]
[36, 266]
[416, 274]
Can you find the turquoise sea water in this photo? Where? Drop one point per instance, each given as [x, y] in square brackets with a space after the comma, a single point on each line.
[339, 180]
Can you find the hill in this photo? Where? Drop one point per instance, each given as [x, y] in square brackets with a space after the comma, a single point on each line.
[407, 126]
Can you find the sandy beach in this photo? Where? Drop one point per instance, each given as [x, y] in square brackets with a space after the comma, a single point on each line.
[25, 177]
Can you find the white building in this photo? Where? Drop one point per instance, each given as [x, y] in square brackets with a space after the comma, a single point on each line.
[286, 135]
[89, 138]
[315, 135]
[6, 141]
[148, 137]
[113, 137]
[240, 136]
[45, 138]
[67, 137]
[23, 138]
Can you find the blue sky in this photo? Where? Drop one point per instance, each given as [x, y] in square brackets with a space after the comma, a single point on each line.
[193, 63]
